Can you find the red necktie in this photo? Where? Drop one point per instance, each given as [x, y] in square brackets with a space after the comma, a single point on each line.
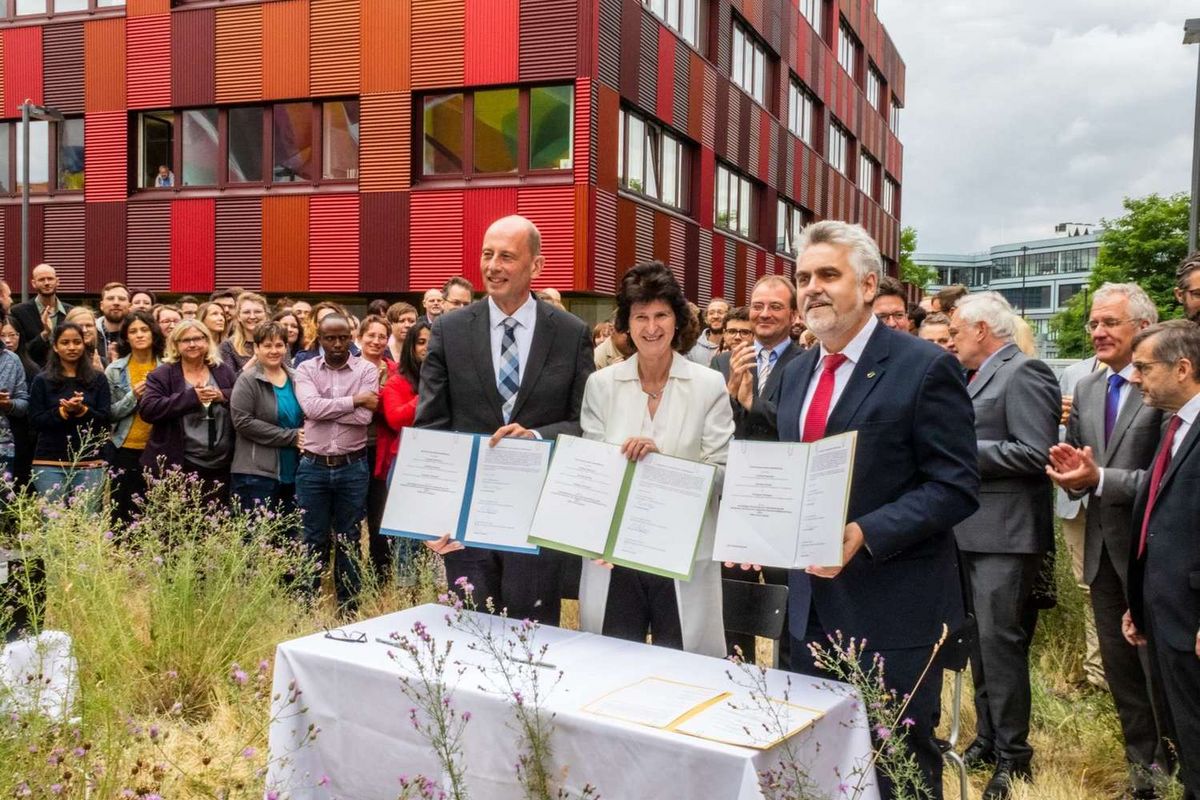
[1156, 476]
[818, 410]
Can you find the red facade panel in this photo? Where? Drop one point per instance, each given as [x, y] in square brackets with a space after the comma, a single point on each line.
[104, 65]
[333, 243]
[285, 50]
[383, 242]
[22, 68]
[552, 210]
[193, 229]
[549, 39]
[585, 240]
[148, 73]
[104, 137]
[193, 55]
[436, 219]
[285, 244]
[62, 79]
[148, 246]
[482, 207]
[583, 153]
[62, 244]
[438, 42]
[386, 32]
[104, 244]
[664, 100]
[239, 243]
[334, 38]
[607, 137]
[492, 36]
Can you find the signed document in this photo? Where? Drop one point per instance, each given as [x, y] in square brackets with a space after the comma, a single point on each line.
[757, 722]
[656, 702]
[445, 482]
[645, 515]
[784, 503]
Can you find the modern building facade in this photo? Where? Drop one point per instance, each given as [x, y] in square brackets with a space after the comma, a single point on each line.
[361, 147]
[1037, 277]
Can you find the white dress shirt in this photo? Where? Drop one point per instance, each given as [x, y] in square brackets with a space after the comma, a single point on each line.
[1122, 396]
[853, 352]
[526, 317]
[1187, 416]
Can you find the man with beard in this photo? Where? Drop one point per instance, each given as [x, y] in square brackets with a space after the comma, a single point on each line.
[915, 477]
[1187, 286]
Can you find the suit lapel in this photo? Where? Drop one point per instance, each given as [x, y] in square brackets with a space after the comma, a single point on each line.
[1185, 447]
[863, 380]
[989, 369]
[481, 354]
[769, 388]
[539, 349]
[792, 401]
[1133, 406]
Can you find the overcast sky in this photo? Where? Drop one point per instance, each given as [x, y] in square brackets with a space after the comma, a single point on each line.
[1021, 114]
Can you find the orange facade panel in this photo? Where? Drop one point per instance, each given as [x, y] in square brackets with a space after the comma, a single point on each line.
[104, 65]
[147, 8]
[285, 50]
[386, 28]
[385, 163]
[334, 41]
[285, 244]
[438, 43]
[239, 57]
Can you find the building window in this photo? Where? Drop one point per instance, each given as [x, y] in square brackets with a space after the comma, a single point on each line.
[654, 163]
[867, 169]
[749, 63]
[249, 145]
[890, 190]
[735, 202]
[811, 9]
[801, 111]
[26, 8]
[790, 220]
[1066, 291]
[56, 156]
[895, 116]
[511, 131]
[681, 16]
[848, 48]
[874, 87]
[838, 146]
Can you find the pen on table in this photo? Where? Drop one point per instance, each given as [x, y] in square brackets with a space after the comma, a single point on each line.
[542, 664]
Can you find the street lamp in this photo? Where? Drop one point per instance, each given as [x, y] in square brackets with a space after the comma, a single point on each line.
[29, 111]
[1191, 35]
[1023, 249]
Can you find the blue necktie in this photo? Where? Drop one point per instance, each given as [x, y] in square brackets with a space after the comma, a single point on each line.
[1112, 405]
[510, 368]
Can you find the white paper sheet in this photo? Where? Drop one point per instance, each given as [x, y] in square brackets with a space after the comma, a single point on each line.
[747, 722]
[580, 495]
[425, 495]
[826, 491]
[508, 480]
[655, 702]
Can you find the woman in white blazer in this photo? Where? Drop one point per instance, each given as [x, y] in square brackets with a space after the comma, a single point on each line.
[658, 401]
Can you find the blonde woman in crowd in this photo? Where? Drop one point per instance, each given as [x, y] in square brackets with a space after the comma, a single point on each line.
[250, 311]
[85, 318]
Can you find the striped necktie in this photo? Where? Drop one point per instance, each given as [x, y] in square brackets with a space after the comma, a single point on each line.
[767, 363]
[509, 380]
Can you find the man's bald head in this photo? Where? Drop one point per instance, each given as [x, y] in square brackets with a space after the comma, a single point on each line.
[517, 223]
[44, 280]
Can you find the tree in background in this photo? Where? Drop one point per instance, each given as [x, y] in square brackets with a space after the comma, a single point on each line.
[915, 274]
[1144, 246]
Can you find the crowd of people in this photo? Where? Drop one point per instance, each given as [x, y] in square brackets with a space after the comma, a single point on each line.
[963, 437]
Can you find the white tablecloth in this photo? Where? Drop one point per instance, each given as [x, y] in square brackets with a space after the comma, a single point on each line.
[352, 693]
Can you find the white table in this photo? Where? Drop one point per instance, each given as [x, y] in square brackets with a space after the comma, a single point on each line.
[353, 694]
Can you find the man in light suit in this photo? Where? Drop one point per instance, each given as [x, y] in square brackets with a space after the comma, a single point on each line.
[1017, 408]
[1116, 435]
[1164, 561]
[915, 477]
[508, 365]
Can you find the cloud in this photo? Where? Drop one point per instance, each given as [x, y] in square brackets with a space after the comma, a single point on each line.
[1033, 112]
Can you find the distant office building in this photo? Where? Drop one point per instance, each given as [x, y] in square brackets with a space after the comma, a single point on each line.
[1038, 277]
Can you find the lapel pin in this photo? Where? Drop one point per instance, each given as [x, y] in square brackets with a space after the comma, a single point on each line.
[871, 374]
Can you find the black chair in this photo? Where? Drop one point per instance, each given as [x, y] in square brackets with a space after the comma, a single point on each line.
[755, 609]
[955, 655]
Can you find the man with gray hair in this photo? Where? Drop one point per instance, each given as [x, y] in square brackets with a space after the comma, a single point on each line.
[914, 479]
[1110, 443]
[1017, 408]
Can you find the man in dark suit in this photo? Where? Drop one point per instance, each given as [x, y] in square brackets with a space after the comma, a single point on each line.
[36, 319]
[508, 365]
[1110, 443]
[1017, 408]
[1164, 554]
[915, 477]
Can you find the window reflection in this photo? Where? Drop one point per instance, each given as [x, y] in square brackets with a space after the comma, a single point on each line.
[70, 154]
[496, 130]
[339, 140]
[443, 134]
[201, 147]
[39, 156]
[293, 134]
[245, 145]
[550, 127]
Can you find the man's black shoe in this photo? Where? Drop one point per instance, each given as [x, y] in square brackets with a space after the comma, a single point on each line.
[1008, 771]
[980, 753]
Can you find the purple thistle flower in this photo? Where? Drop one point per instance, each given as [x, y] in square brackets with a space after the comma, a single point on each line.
[249, 752]
[883, 732]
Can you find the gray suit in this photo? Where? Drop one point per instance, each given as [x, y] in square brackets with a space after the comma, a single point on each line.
[1125, 458]
[1017, 407]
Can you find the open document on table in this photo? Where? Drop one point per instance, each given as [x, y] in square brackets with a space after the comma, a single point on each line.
[446, 482]
[645, 514]
[784, 503]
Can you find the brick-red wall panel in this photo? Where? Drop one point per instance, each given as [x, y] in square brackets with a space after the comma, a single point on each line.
[383, 242]
[104, 244]
[333, 242]
[12, 243]
[62, 79]
[193, 229]
[549, 39]
[62, 244]
[148, 246]
[239, 243]
[193, 57]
